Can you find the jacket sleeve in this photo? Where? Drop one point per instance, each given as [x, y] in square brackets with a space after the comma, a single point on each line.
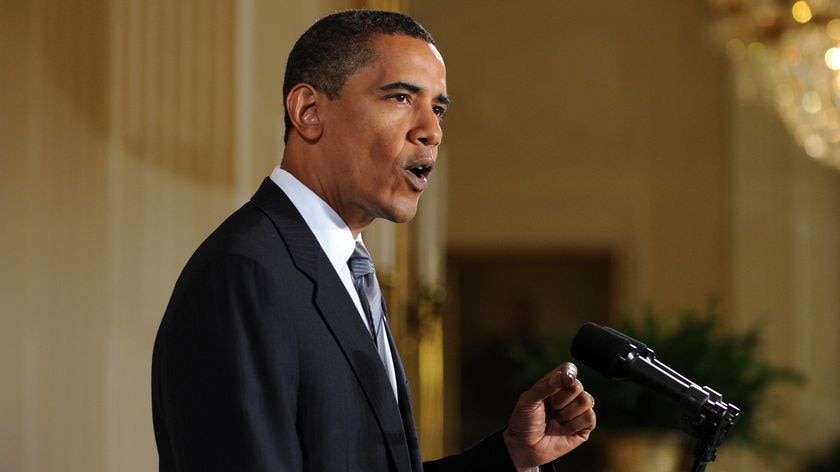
[489, 454]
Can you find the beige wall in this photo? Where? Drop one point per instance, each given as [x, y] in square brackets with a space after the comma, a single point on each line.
[785, 257]
[129, 128]
[583, 126]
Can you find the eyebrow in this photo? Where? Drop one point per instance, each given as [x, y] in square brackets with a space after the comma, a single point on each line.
[444, 99]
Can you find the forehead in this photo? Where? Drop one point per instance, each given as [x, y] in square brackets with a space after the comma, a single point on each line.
[407, 59]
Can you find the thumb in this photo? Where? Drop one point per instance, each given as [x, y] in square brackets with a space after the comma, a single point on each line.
[561, 377]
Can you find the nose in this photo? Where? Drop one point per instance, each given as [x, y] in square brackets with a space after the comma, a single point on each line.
[427, 130]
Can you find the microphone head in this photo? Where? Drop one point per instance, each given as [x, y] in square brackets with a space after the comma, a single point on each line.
[601, 348]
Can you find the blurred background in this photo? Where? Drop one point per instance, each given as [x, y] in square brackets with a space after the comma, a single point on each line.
[630, 161]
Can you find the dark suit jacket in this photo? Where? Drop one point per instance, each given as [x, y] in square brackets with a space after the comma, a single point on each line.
[262, 362]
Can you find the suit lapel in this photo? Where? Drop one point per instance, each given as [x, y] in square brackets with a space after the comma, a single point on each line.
[339, 313]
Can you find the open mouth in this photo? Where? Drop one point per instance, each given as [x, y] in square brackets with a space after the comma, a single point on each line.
[421, 171]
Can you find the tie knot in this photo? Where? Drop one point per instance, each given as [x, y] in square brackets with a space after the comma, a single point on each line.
[360, 263]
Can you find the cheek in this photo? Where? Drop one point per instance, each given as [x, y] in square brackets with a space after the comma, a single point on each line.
[390, 147]
[379, 157]
[379, 145]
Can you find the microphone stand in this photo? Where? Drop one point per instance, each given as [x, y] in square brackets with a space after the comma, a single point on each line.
[710, 428]
[709, 418]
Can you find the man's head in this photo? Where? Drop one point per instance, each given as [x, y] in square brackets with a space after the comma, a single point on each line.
[367, 144]
[338, 45]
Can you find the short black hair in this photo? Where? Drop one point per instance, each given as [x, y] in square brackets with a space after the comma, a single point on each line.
[338, 45]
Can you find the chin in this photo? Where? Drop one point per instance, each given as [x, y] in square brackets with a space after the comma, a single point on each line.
[400, 218]
[401, 214]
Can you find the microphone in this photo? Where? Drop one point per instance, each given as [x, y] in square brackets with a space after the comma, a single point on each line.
[619, 357]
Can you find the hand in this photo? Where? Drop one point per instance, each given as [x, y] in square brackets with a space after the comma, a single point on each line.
[550, 419]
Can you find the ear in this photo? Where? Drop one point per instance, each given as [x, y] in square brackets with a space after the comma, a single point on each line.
[302, 107]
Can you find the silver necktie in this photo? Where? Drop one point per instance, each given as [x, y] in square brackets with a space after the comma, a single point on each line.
[364, 279]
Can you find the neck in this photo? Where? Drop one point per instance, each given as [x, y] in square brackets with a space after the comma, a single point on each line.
[308, 176]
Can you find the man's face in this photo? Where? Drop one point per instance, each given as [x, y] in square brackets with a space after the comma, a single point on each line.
[381, 136]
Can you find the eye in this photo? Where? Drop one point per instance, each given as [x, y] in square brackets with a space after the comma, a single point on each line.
[400, 97]
[439, 111]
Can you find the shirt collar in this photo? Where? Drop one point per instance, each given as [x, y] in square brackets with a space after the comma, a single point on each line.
[330, 230]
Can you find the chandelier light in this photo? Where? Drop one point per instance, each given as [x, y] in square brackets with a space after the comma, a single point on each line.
[792, 49]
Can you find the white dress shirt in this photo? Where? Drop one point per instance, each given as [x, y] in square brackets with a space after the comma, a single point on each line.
[335, 239]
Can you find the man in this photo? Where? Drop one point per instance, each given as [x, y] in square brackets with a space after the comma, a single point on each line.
[269, 356]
